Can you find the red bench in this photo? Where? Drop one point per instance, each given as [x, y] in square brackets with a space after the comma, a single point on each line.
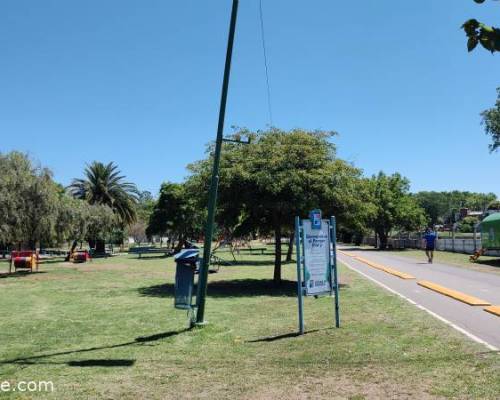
[80, 256]
[25, 259]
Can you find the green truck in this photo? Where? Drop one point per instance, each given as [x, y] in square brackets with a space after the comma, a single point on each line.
[490, 235]
[490, 232]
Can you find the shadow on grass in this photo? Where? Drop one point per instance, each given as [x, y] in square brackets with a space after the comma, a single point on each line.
[490, 263]
[41, 359]
[253, 263]
[230, 288]
[246, 262]
[19, 274]
[152, 257]
[281, 337]
[101, 363]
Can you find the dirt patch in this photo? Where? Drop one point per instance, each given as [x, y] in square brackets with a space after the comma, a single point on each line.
[89, 267]
[341, 387]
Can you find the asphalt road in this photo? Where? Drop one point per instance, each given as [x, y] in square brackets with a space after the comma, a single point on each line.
[472, 319]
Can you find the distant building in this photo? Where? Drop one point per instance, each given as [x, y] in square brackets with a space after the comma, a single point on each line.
[465, 212]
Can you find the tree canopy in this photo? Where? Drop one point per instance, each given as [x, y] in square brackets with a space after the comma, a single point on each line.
[491, 121]
[394, 206]
[478, 32]
[281, 174]
[440, 207]
[176, 214]
[103, 184]
[28, 210]
[37, 211]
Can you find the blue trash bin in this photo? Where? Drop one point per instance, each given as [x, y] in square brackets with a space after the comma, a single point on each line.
[186, 262]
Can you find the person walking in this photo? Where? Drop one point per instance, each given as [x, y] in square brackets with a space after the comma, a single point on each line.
[430, 238]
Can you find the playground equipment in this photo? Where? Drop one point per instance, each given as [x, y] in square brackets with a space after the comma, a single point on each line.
[80, 256]
[26, 259]
[490, 235]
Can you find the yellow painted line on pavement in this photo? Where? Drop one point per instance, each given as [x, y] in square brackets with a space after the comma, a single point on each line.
[381, 267]
[345, 253]
[464, 298]
[493, 310]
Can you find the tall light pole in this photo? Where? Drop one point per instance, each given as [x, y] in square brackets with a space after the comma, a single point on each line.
[214, 184]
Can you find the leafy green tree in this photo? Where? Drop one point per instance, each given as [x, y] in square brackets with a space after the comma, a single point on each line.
[491, 121]
[440, 207]
[138, 231]
[394, 207]
[104, 184]
[494, 205]
[72, 220]
[175, 214]
[79, 221]
[28, 210]
[101, 222]
[435, 204]
[37, 211]
[467, 224]
[280, 175]
[145, 206]
[478, 32]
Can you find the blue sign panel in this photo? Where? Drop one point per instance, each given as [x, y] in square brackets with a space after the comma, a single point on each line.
[315, 218]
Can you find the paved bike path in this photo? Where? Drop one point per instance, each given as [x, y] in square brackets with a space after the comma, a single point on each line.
[472, 319]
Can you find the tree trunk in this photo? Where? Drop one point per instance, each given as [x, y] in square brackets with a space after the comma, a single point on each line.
[100, 246]
[277, 256]
[180, 244]
[383, 240]
[73, 247]
[290, 247]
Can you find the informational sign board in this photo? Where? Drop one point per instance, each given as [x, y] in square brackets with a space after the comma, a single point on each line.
[316, 246]
[317, 264]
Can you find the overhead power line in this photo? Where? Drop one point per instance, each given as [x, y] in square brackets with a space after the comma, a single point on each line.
[261, 14]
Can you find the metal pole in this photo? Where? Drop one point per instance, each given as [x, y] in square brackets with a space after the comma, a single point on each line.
[475, 237]
[335, 275]
[299, 275]
[331, 255]
[212, 200]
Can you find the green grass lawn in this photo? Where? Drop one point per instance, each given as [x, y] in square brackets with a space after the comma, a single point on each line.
[108, 329]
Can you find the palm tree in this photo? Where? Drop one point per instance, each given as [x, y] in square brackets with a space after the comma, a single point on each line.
[104, 184]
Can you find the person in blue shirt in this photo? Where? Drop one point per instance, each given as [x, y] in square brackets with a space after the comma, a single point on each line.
[430, 238]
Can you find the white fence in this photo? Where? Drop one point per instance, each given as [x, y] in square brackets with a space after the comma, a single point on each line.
[467, 246]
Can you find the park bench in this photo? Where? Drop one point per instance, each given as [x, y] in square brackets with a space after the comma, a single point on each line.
[26, 259]
[151, 250]
[252, 249]
[53, 252]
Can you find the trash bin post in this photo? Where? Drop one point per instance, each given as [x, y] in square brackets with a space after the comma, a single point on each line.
[186, 262]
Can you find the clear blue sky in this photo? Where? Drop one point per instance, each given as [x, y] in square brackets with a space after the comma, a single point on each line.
[138, 82]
